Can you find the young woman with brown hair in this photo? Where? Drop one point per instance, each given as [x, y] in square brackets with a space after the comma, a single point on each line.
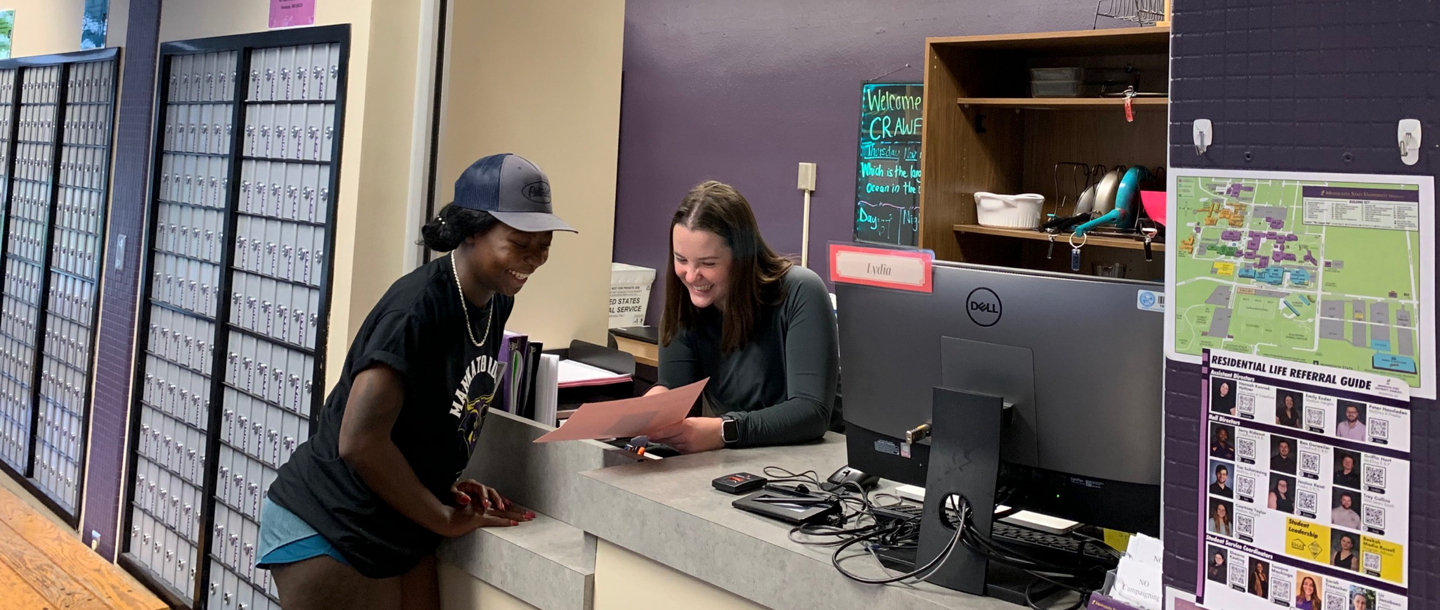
[759, 327]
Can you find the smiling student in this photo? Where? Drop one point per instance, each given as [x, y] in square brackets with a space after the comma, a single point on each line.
[759, 327]
[354, 518]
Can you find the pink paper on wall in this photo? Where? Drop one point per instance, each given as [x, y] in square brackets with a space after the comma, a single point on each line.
[291, 13]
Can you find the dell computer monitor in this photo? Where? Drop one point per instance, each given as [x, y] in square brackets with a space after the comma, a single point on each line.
[1077, 360]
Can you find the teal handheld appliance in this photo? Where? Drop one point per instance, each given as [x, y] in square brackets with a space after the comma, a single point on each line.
[1122, 215]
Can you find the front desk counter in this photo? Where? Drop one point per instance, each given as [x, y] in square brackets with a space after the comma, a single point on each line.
[614, 533]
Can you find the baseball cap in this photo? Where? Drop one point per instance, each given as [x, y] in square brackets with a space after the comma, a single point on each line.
[513, 190]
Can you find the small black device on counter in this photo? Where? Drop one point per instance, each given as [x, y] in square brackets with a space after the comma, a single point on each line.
[792, 508]
[840, 481]
[739, 483]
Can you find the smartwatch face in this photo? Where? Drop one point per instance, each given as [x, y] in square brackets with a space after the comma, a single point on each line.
[730, 431]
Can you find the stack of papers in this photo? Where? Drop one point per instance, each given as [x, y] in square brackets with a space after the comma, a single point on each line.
[1137, 581]
[547, 389]
[575, 374]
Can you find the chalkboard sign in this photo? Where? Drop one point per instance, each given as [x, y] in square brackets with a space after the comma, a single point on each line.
[887, 185]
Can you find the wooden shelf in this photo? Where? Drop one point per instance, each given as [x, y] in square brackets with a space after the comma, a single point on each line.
[983, 132]
[1061, 103]
[1092, 240]
[644, 353]
[1142, 39]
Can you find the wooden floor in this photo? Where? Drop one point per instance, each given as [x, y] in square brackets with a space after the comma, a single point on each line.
[44, 566]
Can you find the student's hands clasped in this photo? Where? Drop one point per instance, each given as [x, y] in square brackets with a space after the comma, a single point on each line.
[478, 506]
[692, 435]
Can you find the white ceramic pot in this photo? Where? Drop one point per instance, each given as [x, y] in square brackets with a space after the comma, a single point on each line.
[1009, 211]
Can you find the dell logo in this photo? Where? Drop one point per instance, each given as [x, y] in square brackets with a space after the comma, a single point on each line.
[983, 305]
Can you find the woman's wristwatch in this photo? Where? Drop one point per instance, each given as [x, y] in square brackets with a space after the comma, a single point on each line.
[729, 431]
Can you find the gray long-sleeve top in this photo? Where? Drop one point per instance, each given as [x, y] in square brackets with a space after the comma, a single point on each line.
[780, 388]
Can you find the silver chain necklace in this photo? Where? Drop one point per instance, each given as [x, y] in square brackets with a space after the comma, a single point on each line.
[465, 307]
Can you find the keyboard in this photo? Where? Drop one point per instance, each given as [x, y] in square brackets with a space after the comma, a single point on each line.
[1041, 545]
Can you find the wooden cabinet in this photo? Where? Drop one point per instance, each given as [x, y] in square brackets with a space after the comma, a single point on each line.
[984, 132]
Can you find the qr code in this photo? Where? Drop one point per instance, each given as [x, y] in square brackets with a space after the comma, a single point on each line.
[1246, 448]
[1315, 418]
[1371, 561]
[1379, 429]
[1310, 464]
[1246, 486]
[1237, 573]
[1375, 517]
[1246, 404]
[1375, 477]
[1281, 590]
[1334, 600]
[1305, 501]
[1245, 525]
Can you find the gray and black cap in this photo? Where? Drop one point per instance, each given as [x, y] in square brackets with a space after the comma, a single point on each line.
[513, 190]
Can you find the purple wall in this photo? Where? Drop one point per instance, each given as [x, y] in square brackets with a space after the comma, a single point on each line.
[1301, 86]
[117, 322]
[741, 91]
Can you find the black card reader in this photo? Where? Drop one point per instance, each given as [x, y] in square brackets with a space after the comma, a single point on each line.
[739, 483]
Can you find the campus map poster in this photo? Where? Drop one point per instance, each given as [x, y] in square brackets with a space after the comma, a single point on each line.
[1306, 478]
[1333, 270]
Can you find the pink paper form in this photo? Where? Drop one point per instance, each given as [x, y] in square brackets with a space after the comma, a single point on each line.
[629, 417]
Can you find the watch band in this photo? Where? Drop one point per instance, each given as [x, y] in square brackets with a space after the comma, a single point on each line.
[729, 431]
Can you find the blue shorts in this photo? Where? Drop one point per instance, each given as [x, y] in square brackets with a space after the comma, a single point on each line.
[286, 538]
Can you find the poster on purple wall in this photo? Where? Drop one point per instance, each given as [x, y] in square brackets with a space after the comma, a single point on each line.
[1324, 269]
[887, 183]
[94, 23]
[1305, 472]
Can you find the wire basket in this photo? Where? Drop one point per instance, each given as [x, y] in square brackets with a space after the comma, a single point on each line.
[1144, 12]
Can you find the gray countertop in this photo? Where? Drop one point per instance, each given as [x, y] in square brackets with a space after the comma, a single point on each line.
[548, 563]
[545, 563]
[667, 511]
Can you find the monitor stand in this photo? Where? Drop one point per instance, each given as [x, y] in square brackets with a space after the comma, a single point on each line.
[964, 462]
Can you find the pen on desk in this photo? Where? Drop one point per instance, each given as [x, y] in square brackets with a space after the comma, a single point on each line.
[796, 500]
[793, 491]
[638, 444]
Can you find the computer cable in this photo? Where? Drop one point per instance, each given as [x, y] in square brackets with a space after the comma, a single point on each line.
[777, 474]
[1101, 545]
[892, 529]
[903, 533]
[860, 524]
[890, 533]
[1073, 578]
[935, 564]
[1034, 604]
[853, 505]
[888, 496]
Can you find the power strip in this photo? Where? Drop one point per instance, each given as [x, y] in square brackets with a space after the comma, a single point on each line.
[1036, 521]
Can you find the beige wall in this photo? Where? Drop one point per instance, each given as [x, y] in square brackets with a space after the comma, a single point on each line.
[461, 591]
[119, 23]
[369, 250]
[560, 61]
[541, 79]
[43, 27]
[621, 574]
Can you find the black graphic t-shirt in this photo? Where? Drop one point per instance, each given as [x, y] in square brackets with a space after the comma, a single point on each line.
[417, 329]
